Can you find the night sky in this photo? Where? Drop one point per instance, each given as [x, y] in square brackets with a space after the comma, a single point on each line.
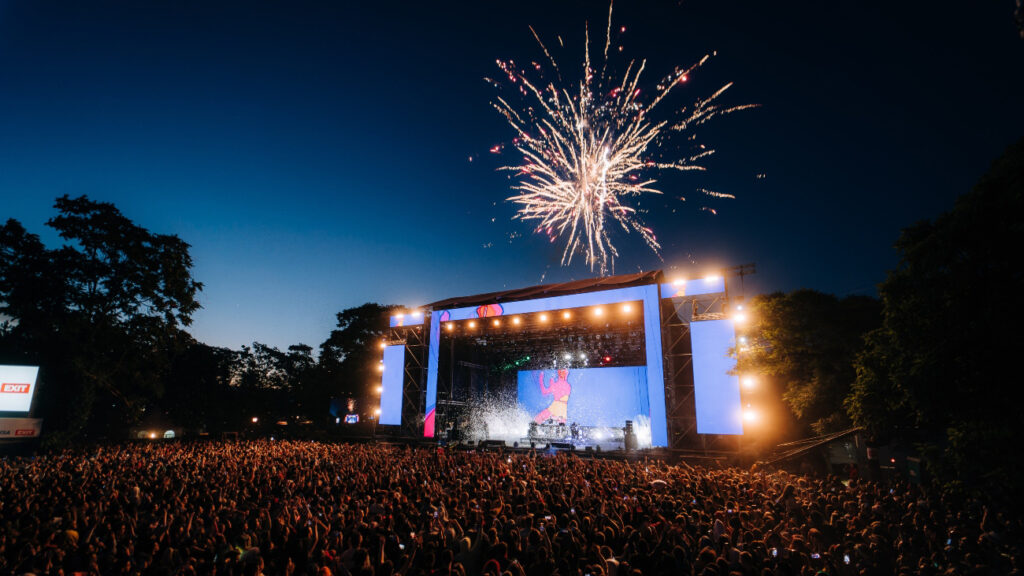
[316, 155]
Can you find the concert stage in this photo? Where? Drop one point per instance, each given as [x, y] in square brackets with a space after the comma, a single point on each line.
[568, 365]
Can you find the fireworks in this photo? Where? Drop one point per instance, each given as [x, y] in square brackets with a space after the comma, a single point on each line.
[590, 147]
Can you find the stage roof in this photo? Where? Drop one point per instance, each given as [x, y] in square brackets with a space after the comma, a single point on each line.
[548, 290]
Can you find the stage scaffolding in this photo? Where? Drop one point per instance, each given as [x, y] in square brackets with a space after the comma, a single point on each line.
[414, 338]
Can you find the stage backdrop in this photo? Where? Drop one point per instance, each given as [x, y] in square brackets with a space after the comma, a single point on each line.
[596, 396]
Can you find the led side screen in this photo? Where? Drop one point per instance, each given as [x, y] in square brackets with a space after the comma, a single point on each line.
[716, 391]
[391, 383]
[586, 396]
[17, 387]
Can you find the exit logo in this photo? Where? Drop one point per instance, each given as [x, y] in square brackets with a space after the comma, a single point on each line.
[11, 388]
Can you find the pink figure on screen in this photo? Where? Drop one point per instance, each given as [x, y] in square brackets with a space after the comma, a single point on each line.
[559, 390]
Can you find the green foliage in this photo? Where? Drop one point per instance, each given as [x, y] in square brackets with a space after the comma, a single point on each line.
[937, 368]
[349, 355]
[805, 342]
[102, 314]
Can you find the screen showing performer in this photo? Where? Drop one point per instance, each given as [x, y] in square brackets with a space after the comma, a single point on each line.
[585, 396]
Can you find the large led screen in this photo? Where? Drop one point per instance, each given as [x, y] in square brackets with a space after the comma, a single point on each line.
[585, 396]
[716, 389]
[17, 387]
[391, 385]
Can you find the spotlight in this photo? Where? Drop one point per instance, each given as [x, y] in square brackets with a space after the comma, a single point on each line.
[380, 367]
[383, 345]
[679, 281]
[566, 315]
[472, 323]
[711, 278]
[627, 308]
[739, 318]
[743, 339]
[607, 359]
[750, 415]
[749, 382]
[417, 314]
[598, 311]
[516, 320]
[379, 389]
[255, 419]
[543, 317]
[450, 326]
[496, 322]
[739, 306]
[583, 356]
[568, 356]
[376, 412]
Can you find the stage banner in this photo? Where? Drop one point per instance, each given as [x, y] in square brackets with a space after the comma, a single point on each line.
[19, 428]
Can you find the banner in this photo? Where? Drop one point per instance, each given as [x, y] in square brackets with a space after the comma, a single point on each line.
[20, 428]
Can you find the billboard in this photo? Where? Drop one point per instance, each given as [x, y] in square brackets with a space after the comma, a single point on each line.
[17, 387]
[20, 428]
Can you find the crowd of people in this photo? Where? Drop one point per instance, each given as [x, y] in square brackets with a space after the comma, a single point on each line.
[307, 508]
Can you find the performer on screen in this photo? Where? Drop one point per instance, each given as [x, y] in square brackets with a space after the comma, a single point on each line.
[559, 389]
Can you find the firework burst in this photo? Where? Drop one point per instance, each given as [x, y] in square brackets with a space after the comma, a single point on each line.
[590, 147]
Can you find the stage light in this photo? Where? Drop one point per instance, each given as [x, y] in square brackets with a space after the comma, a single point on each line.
[376, 412]
[711, 278]
[739, 306]
[566, 315]
[607, 359]
[496, 322]
[739, 318]
[152, 435]
[379, 389]
[743, 339]
[750, 415]
[679, 281]
[383, 345]
[417, 314]
[627, 308]
[472, 324]
[598, 311]
[515, 320]
[380, 366]
[450, 326]
[583, 356]
[543, 317]
[255, 419]
[749, 382]
[568, 356]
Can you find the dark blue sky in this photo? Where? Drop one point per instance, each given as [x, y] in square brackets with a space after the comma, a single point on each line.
[315, 154]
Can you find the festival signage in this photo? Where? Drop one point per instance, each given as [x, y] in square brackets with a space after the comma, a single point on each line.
[20, 428]
[17, 387]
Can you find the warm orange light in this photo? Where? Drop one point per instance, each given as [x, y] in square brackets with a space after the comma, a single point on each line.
[376, 412]
[750, 415]
[543, 317]
[379, 389]
[472, 324]
[566, 315]
[383, 345]
[739, 318]
[516, 320]
[496, 322]
[598, 311]
[627, 308]
[450, 326]
[749, 382]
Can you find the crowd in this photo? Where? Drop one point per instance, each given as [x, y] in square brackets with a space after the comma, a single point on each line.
[305, 508]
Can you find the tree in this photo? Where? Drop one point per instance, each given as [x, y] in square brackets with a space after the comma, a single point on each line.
[937, 370]
[349, 355]
[805, 342]
[101, 313]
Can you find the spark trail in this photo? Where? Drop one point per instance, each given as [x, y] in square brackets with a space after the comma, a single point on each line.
[589, 147]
